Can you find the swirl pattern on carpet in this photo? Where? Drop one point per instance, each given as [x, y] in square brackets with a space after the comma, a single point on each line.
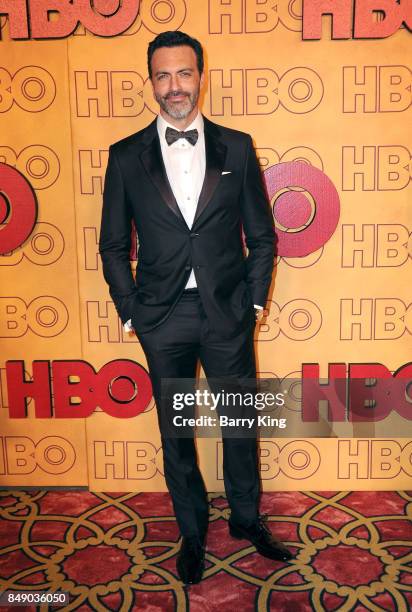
[117, 551]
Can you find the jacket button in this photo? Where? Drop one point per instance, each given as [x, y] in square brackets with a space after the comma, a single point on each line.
[187, 268]
[194, 235]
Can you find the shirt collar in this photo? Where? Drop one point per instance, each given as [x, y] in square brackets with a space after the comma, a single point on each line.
[162, 124]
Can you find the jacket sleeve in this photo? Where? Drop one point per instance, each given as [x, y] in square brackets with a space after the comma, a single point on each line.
[115, 240]
[258, 228]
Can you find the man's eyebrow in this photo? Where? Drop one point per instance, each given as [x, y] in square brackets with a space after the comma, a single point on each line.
[180, 70]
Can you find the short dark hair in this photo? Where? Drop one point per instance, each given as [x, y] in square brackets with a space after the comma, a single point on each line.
[174, 39]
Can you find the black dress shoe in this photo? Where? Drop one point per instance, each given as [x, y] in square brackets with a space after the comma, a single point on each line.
[262, 538]
[191, 560]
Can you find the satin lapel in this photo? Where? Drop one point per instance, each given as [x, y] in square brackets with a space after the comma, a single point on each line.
[215, 162]
[153, 162]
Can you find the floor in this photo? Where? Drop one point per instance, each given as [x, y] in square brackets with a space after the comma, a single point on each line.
[116, 551]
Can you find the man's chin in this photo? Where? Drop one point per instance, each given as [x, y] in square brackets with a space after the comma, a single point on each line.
[176, 113]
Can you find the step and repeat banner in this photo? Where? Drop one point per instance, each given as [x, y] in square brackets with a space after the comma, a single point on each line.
[327, 100]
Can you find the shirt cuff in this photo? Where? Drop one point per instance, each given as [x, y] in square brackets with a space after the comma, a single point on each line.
[128, 327]
[258, 307]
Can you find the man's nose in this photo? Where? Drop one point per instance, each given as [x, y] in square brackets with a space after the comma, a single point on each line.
[175, 82]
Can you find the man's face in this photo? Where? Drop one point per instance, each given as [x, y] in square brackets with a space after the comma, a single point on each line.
[176, 83]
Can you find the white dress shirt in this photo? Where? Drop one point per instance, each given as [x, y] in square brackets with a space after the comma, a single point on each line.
[185, 168]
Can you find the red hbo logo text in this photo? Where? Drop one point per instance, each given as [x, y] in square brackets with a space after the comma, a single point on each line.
[108, 18]
[101, 17]
[18, 209]
[352, 398]
[305, 207]
[121, 388]
[359, 15]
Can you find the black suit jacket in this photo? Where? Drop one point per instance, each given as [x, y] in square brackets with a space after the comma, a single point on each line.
[229, 283]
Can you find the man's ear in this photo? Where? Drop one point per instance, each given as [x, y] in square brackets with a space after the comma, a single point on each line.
[202, 79]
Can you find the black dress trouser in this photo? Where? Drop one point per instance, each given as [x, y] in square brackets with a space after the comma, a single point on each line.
[172, 351]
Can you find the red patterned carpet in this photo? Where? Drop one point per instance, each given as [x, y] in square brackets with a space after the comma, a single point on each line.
[117, 552]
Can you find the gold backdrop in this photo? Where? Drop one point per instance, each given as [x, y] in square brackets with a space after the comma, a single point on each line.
[342, 106]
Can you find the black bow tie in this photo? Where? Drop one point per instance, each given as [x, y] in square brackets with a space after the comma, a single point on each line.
[173, 135]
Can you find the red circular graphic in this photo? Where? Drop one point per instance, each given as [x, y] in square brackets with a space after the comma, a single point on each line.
[107, 17]
[292, 209]
[326, 202]
[106, 7]
[122, 389]
[21, 209]
[4, 208]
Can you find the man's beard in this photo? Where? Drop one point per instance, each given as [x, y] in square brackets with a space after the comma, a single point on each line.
[178, 110]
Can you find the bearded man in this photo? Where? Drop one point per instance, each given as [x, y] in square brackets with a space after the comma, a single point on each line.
[191, 187]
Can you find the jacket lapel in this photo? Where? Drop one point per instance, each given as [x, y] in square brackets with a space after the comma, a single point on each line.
[152, 160]
[215, 161]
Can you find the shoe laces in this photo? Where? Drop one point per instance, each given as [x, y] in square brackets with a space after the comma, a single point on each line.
[262, 519]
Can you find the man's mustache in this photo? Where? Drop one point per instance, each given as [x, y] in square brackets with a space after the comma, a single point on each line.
[171, 94]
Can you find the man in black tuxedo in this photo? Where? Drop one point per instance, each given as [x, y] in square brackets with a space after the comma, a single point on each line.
[191, 187]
